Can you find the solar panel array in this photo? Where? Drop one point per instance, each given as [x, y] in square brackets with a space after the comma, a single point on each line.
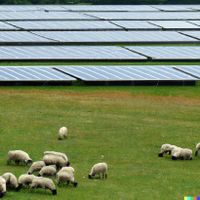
[99, 73]
[32, 74]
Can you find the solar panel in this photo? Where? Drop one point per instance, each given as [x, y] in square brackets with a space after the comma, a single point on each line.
[146, 15]
[173, 7]
[175, 25]
[136, 25]
[124, 73]
[108, 8]
[20, 36]
[41, 15]
[194, 34]
[191, 70]
[4, 26]
[65, 25]
[168, 53]
[114, 36]
[32, 74]
[67, 53]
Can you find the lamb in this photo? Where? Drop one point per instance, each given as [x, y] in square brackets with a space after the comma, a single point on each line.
[2, 186]
[11, 180]
[182, 154]
[197, 149]
[59, 161]
[62, 133]
[36, 166]
[45, 183]
[66, 174]
[99, 168]
[63, 155]
[19, 156]
[25, 180]
[166, 148]
[48, 171]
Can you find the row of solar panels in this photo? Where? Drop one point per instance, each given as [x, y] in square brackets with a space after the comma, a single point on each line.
[41, 15]
[100, 53]
[100, 73]
[75, 8]
[98, 25]
[85, 37]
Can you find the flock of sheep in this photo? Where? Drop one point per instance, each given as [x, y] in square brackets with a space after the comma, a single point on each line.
[178, 153]
[53, 164]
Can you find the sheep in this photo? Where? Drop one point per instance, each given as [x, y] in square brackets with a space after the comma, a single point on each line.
[99, 168]
[62, 133]
[25, 180]
[66, 174]
[45, 183]
[63, 155]
[59, 161]
[197, 149]
[166, 148]
[19, 156]
[48, 171]
[36, 166]
[182, 154]
[2, 186]
[11, 181]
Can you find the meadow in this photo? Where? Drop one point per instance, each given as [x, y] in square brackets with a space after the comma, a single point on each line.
[123, 126]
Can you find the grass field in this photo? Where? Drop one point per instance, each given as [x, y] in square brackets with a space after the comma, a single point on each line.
[125, 124]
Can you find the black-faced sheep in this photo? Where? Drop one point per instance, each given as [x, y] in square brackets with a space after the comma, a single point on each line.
[100, 169]
[11, 180]
[182, 154]
[197, 149]
[62, 133]
[25, 180]
[45, 183]
[48, 171]
[36, 167]
[2, 186]
[19, 156]
[166, 148]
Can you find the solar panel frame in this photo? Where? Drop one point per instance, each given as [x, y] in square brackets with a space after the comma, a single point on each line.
[30, 73]
[192, 34]
[58, 52]
[168, 52]
[125, 73]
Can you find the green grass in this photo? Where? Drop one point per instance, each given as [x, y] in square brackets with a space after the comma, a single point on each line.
[125, 124]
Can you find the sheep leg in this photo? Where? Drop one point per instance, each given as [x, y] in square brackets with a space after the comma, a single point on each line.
[67, 182]
[106, 176]
[17, 162]
[196, 153]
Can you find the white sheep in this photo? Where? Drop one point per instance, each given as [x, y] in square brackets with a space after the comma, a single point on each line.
[19, 156]
[62, 133]
[2, 186]
[45, 183]
[25, 180]
[48, 171]
[100, 169]
[11, 180]
[197, 149]
[182, 154]
[59, 161]
[166, 148]
[66, 175]
[63, 155]
[36, 166]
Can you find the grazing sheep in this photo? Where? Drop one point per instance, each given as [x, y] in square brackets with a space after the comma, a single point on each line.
[59, 161]
[63, 155]
[62, 133]
[25, 180]
[166, 148]
[48, 171]
[36, 166]
[2, 186]
[66, 174]
[11, 180]
[197, 149]
[99, 168]
[182, 154]
[45, 183]
[18, 156]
